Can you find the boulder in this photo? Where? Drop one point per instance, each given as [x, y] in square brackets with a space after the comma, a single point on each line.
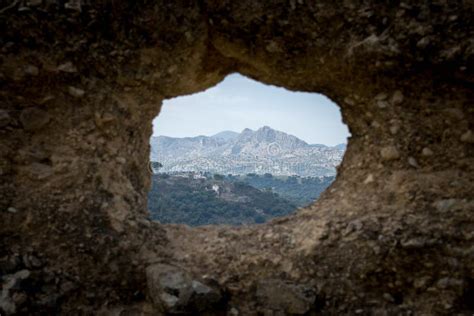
[174, 291]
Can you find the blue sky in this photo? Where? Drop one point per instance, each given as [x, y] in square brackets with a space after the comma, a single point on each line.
[238, 102]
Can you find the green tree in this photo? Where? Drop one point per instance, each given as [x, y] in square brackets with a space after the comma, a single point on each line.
[218, 177]
[155, 166]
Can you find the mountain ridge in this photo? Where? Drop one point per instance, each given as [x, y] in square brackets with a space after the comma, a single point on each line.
[264, 150]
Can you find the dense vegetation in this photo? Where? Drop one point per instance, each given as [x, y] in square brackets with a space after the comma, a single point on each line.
[301, 191]
[213, 200]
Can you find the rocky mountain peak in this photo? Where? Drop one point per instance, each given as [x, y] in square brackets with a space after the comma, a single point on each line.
[264, 150]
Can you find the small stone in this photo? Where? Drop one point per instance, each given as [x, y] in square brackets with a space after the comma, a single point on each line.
[293, 5]
[369, 179]
[423, 43]
[421, 282]
[375, 124]
[388, 297]
[12, 210]
[23, 8]
[273, 47]
[394, 129]
[449, 282]
[234, 312]
[172, 290]
[7, 297]
[31, 70]
[445, 204]
[31, 261]
[353, 226]
[67, 67]
[427, 152]
[34, 119]
[382, 104]
[189, 36]
[5, 118]
[75, 5]
[121, 160]
[413, 243]
[34, 3]
[40, 171]
[468, 137]
[349, 101]
[397, 97]
[76, 92]
[46, 99]
[381, 96]
[412, 162]
[389, 153]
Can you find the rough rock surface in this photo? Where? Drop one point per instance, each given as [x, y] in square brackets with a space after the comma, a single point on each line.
[81, 81]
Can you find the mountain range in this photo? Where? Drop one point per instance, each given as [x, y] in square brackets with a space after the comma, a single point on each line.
[252, 151]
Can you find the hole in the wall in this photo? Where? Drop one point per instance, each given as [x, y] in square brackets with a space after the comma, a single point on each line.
[242, 153]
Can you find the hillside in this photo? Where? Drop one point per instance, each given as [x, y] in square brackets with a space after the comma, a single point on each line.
[185, 199]
[262, 151]
[301, 191]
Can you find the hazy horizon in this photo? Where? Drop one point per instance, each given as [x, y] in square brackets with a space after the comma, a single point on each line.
[239, 102]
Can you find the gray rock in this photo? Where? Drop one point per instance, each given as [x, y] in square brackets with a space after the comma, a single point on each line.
[40, 171]
[31, 70]
[389, 153]
[12, 210]
[31, 261]
[427, 152]
[449, 283]
[75, 5]
[353, 226]
[383, 104]
[394, 129]
[445, 205]
[173, 290]
[7, 300]
[34, 3]
[67, 67]
[397, 97]
[34, 119]
[412, 162]
[278, 295]
[414, 243]
[76, 92]
[369, 179]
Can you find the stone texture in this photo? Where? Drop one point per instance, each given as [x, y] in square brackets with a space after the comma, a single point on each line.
[33, 119]
[289, 299]
[390, 153]
[174, 291]
[85, 212]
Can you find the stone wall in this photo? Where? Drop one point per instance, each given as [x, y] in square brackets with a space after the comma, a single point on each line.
[81, 82]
